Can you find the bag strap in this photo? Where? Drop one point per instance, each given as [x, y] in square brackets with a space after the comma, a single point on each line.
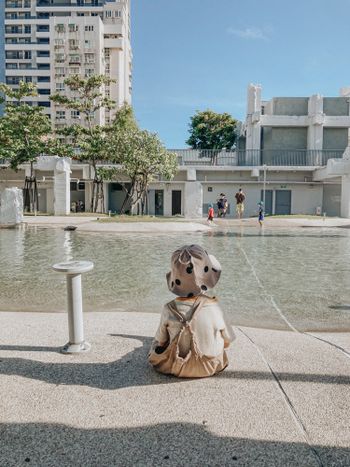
[197, 305]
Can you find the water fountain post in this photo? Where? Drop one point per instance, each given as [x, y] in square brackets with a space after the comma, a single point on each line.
[73, 271]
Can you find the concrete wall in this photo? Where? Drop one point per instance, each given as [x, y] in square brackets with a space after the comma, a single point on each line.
[290, 106]
[284, 138]
[335, 138]
[334, 106]
[306, 198]
[331, 199]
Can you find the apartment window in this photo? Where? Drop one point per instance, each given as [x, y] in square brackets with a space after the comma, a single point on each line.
[43, 15]
[89, 28]
[11, 66]
[60, 115]
[13, 80]
[89, 58]
[60, 28]
[59, 71]
[74, 59]
[43, 53]
[28, 79]
[89, 44]
[59, 58]
[24, 40]
[27, 29]
[73, 27]
[43, 40]
[26, 4]
[75, 114]
[42, 28]
[108, 14]
[11, 41]
[25, 66]
[44, 92]
[89, 72]
[27, 55]
[13, 4]
[118, 14]
[44, 104]
[73, 44]
[14, 54]
[13, 29]
[59, 42]
[11, 15]
[59, 87]
[43, 66]
[43, 79]
[74, 71]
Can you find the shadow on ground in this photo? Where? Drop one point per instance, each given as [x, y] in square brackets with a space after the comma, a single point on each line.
[130, 370]
[178, 444]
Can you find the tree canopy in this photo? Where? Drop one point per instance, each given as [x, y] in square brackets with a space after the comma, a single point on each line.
[140, 157]
[25, 131]
[211, 130]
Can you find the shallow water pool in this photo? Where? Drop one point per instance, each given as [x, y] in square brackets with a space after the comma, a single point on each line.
[273, 278]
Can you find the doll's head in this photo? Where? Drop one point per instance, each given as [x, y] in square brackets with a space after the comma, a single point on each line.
[193, 271]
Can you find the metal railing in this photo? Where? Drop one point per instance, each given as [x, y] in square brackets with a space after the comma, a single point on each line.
[257, 157]
[247, 158]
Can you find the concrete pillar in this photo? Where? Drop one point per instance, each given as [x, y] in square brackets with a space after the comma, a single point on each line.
[193, 202]
[253, 135]
[315, 128]
[167, 200]
[62, 187]
[345, 197]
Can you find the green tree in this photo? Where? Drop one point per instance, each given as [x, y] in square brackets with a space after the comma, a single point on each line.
[212, 131]
[88, 138]
[140, 157]
[25, 134]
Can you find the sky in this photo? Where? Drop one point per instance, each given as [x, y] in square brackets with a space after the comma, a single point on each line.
[191, 55]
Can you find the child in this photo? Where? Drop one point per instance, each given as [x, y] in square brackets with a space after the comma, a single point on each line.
[192, 335]
[261, 213]
[210, 214]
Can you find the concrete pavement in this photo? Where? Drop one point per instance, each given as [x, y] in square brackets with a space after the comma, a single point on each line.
[283, 401]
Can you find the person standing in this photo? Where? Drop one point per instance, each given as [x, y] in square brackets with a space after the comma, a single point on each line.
[240, 197]
[220, 205]
[225, 205]
[261, 213]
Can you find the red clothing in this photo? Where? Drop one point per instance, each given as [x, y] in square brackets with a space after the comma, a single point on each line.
[211, 213]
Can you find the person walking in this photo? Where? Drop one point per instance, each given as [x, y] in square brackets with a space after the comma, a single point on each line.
[240, 197]
[210, 214]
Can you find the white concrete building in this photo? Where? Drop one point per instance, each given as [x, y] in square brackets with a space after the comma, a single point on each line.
[48, 40]
[306, 170]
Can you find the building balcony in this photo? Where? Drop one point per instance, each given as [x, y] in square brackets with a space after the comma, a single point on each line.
[257, 157]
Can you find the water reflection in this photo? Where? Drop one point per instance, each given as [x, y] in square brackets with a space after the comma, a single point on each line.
[307, 274]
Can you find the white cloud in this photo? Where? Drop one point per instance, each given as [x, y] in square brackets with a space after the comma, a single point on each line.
[250, 33]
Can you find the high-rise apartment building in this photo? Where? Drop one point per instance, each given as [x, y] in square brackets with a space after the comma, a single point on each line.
[48, 40]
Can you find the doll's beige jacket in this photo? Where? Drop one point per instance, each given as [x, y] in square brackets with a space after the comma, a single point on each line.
[212, 332]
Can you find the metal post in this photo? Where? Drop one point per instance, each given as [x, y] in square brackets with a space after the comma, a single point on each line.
[264, 186]
[73, 271]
